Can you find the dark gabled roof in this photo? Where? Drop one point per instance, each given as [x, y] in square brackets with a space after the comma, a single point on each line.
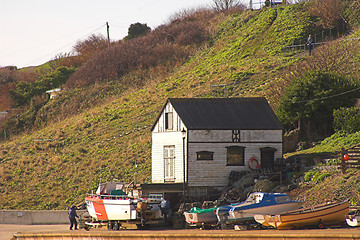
[226, 113]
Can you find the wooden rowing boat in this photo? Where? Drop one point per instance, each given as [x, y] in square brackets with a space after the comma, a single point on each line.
[319, 215]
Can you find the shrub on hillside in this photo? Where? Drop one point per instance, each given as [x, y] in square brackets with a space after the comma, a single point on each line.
[329, 11]
[310, 100]
[166, 46]
[340, 57]
[347, 120]
[24, 92]
[90, 46]
[23, 120]
[352, 12]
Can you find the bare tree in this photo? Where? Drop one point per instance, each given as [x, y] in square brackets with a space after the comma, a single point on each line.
[328, 11]
[226, 5]
[91, 45]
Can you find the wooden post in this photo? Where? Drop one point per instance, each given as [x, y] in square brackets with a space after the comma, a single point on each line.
[108, 34]
[342, 164]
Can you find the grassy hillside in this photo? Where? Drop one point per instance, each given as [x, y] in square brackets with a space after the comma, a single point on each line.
[100, 131]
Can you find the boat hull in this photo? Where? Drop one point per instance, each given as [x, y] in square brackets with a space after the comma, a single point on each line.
[118, 209]
[248, 214]
[199, 218]
[313, 216]
[353, 220]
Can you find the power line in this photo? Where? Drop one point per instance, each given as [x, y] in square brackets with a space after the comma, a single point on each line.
[323, 98]
[64, 46]
[45, 43]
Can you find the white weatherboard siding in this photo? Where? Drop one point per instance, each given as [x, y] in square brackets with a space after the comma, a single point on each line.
[215, 172]
[159, 140]
[226, 136]
[261, 135]
[177, 124]
[210, 136]
[167, 137]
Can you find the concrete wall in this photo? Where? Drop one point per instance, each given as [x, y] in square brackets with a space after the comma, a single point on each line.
[32, 217]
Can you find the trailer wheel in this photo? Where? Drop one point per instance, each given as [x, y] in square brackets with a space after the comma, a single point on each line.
[110, 225]
[116, 226]
[320, 224]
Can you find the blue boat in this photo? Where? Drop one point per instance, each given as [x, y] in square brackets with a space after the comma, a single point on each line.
[257, 203]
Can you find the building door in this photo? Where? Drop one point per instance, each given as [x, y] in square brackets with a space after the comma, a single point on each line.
[267, 157]
[169, 162]
[174, 198]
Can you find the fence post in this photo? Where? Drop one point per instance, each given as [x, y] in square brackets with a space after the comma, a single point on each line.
[342, 164]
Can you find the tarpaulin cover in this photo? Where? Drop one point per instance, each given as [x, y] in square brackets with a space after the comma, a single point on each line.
[200, 210]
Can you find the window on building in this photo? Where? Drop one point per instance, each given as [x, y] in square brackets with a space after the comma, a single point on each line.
[204, 155]
[169, 121]
[235, 156]
[169, 162]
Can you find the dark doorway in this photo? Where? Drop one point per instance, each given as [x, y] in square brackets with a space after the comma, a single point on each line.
[174, 198]
[267, 157]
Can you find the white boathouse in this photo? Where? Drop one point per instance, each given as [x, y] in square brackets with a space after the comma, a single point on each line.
[198, 142]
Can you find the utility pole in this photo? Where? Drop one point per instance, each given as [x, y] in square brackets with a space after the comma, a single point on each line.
[108, 35]
[135, 174]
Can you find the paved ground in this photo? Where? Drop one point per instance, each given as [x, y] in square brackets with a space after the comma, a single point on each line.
[7, 231]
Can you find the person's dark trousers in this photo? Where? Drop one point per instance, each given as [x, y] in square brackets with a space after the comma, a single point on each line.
[310, 49]
[72, 223]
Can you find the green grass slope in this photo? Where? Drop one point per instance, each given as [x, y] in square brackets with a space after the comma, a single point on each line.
[55, 166]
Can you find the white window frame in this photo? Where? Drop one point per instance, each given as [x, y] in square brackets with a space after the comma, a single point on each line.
[169, 121]
[169, 163]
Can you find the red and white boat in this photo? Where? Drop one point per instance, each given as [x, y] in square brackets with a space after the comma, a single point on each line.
[112, 206]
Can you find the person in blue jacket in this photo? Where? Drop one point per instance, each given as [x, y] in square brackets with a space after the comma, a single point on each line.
[72, 218]
[165, 208]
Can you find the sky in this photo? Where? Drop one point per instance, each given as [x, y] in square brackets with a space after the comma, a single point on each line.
[33, 32]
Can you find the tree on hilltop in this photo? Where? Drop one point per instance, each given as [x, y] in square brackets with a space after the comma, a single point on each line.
[137, 29]
[226, 5]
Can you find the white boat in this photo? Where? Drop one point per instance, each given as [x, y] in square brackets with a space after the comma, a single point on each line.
[353, 220]
[199, 216]
[113, 206]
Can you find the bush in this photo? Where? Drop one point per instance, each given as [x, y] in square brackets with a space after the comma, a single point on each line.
[311, 100]
[24, 91]
[352, 12]
[347, 120]
[328, 11]
[319, 176]
[309, 175]
[166, 46]
[315, 176]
